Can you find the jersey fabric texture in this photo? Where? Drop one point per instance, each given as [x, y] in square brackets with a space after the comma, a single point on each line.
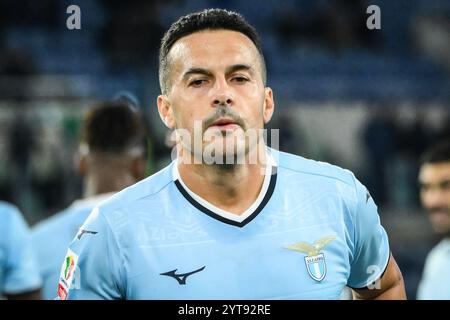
[313, 230]
[435, 283]
[18, 268]
[52, 236]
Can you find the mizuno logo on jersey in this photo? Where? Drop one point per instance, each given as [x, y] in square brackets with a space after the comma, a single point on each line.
[181, 277]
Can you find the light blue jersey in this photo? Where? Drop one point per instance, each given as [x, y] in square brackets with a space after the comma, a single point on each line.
[52, 236]
[312, 230]
[18, 269]
[435, 282]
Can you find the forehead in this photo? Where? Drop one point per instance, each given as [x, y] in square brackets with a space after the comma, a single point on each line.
[434, 172]
[212, 49]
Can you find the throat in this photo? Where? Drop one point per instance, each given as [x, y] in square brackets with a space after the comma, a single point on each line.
[233, 188]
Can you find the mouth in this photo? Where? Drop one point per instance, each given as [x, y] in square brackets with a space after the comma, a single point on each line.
[440, 213]
[224, 124]
[439, 216]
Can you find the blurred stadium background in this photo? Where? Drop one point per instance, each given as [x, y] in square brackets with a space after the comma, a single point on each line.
[367, 100]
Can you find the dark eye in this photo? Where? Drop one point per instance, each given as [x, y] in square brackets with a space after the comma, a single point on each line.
[240, 79]
[445, 185]
[197, 83]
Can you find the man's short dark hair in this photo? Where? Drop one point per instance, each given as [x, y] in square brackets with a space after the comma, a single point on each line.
[437, 153]
[113, 127]
[209, 19]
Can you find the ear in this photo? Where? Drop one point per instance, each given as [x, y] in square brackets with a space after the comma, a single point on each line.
[269, 105]
[81, 164]
[166, 111]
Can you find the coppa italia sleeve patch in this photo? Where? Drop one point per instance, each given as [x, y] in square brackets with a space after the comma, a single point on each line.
[67, 272]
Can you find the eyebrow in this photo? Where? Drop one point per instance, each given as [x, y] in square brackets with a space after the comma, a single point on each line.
[192, 71]
[206, 72]
[440, 183]
[238, 67]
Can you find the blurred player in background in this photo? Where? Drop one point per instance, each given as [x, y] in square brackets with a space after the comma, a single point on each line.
[434, 182]
[112, 156]
[278, 227]
[19, 272]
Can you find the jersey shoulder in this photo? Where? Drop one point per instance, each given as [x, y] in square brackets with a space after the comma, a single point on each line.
[8, 212]
[60, 224]
[441, 252]
[117, 213]
[11, 219]
[319, 169]
[148, 187]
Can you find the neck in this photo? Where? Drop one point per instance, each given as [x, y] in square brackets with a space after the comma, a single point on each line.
[232, 188]
[95, 184]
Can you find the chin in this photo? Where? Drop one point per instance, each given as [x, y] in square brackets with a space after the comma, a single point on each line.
[442, 230]
[225, 152]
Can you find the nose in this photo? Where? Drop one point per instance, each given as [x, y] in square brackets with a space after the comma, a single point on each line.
[222, 101]
[222, 94]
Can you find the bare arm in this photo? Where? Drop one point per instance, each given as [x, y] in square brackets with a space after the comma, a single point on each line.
[389, 287]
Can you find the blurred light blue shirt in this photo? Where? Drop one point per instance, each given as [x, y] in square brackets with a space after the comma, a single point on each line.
[435, 283]
[18, 268]
[313, 230]
[52, 237]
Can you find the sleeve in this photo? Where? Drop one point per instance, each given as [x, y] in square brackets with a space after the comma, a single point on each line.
[371, 246]
[93, 266]
[21, 269]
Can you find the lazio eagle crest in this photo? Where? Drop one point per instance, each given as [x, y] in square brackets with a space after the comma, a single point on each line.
[315, 260]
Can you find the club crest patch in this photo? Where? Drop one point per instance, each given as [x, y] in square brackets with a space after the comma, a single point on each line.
[314, 260]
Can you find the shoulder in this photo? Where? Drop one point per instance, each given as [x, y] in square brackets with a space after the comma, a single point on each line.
[147, 188]
[325, 178]
[8, 212]
[12, 221]
[117, 211]
[441, 252]
[61, 223]
[317, 169]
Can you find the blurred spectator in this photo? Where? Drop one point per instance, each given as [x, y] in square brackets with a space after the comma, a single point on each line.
[434, 180]
[413, 140]
[289, 137]
[443, 131]
[16, 67]
[43, 13]
[334, 24]
[22, 143]
[19, 276]
[112, 157]
[431, 34]
[132, 32]
[380, 139]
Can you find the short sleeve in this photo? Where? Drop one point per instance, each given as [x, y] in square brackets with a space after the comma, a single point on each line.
[371, 246]
[92, 268]
[21, 270]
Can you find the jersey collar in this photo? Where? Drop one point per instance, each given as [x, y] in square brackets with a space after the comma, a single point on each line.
[225, 216]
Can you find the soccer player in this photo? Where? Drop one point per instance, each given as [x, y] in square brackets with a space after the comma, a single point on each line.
[434, 181]
[112, 157]
[230, 218]
[19, 274]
